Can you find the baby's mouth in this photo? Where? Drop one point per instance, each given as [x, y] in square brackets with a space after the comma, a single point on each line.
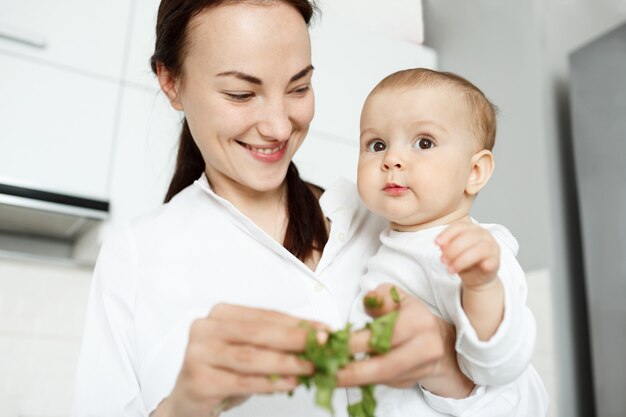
[393, 185]
[394, 189]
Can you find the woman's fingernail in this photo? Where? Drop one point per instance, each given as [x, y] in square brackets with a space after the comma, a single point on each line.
[322, 337]
[273, 377]
[289, 380]
[372, 302]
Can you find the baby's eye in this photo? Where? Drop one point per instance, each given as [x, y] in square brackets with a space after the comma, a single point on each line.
[376, 145]
[424, 143]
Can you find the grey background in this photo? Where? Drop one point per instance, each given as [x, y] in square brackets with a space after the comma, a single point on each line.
[598, 97]
[517, 52]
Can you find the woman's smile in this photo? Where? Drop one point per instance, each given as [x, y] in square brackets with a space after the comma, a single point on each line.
[266, 153]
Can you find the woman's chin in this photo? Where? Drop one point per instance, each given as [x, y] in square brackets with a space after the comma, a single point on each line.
[269, 183]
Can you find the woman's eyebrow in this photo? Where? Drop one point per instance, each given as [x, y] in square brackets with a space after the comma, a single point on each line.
[242, 76]
[255, 80]
[302, 73]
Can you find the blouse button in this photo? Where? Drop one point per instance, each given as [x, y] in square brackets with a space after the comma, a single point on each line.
[341, 236]
[318, 287]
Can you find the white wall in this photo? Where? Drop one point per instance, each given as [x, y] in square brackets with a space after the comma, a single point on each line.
[517, 53]
[42, 307]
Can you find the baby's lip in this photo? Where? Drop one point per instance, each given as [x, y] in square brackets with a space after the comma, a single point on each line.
[395, 190]
[391, 185]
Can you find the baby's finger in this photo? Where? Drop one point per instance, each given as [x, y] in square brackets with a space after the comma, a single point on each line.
[451, 232]
[490, 264]
[460, 244]
[471, 257]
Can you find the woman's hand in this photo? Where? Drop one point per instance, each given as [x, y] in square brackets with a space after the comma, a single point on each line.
[233, 353]
[422, 351]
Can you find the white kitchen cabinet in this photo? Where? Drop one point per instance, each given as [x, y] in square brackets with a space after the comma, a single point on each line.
[56, 128]
[349, 61]
[141, 45]
[144, 155]
[397, 19]
[60, 68]
[75, 34]
[323, 159]
[148, 131]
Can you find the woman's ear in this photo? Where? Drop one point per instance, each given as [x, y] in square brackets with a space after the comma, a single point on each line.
[482, 165]
[169, 85]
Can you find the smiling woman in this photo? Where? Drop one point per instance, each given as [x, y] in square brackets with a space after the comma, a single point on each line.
[259, 99]
[248, 111]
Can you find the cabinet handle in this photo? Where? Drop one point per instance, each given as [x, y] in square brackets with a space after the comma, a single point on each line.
[22, 36]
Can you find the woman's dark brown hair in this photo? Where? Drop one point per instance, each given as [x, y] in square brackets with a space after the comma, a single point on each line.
[306, 230]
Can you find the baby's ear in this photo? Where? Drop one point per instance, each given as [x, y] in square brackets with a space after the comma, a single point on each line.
[481, 168]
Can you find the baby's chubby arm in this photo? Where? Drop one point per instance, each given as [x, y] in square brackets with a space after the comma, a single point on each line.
[472, 252]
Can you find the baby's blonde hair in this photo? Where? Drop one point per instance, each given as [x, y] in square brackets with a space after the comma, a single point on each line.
[481, 112]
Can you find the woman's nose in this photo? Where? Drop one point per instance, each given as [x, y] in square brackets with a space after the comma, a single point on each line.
[275, 123]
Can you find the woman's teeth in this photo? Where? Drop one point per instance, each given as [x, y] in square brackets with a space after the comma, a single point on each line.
[266, 151]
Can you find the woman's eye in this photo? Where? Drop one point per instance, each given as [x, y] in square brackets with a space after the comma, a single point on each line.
[424, 143]
[302, 90]
[239, 96]
[376, 146]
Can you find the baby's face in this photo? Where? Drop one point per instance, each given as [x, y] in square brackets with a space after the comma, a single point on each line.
[415, 156]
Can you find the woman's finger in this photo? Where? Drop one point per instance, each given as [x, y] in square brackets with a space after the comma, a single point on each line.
[377, 303]
[381, 300]
[359, 341]
[247, 359]
[264, 334]
[226, 311]
[413, 319]
[222, 383]
[403, 383]
[423, 351]
[232, 402]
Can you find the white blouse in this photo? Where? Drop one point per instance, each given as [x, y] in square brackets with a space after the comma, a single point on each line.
[170, 267]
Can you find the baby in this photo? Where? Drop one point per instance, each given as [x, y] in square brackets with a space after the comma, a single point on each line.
[425, 153]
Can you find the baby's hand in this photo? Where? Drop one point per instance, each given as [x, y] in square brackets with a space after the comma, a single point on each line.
[472, 252]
